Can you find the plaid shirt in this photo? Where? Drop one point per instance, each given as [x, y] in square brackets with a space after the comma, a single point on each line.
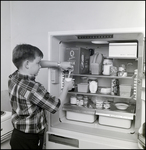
[29, 99]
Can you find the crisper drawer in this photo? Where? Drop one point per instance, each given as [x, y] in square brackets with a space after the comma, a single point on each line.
[80, 117]
[123, 50]
[116, 122]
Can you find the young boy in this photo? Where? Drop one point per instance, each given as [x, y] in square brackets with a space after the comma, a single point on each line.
[29, 99]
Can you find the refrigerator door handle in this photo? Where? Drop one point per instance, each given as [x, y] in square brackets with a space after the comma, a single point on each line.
[63, 140]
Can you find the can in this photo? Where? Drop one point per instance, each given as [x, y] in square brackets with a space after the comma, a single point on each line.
[85, 103]
[114, 87]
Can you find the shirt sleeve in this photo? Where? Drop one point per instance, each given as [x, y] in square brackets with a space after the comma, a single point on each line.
[39, 96]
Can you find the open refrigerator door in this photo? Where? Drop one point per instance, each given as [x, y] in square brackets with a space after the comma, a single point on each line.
[110, 116]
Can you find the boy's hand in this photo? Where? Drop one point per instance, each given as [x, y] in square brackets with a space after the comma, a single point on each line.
[66, 65]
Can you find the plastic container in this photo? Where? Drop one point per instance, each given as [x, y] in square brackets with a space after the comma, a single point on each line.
[80, 117]
[125, 87]
[125, 90]
[115, 122]
[96, 68]
[125, 94]
[83, 87]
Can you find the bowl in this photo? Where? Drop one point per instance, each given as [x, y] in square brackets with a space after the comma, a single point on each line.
[121, 106]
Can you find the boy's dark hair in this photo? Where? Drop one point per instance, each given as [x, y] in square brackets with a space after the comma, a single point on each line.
[24, 52]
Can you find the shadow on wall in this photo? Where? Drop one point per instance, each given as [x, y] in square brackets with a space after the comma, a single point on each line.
[5, 101]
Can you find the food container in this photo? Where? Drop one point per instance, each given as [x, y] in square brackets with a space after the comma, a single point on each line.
[96, 63]
[99, 104]
[106, 105]
[80, 100]
[73, 100]
[80, 117]
[85, 101]
[114, 87]
[115, 122]
[125, 90]
[96, 68]
[105, 90]
[93, 85]
[113, 71]
[83, 87]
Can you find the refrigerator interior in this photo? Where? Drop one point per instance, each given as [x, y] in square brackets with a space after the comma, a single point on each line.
[57, 47]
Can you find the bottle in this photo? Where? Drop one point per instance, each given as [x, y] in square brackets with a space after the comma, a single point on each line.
[93, 85]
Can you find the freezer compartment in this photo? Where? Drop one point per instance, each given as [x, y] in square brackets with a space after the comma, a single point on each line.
[116, 122]
[123, 50]
[90, 118]
[58, 44]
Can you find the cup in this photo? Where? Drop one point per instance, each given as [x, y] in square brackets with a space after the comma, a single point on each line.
[68, 80]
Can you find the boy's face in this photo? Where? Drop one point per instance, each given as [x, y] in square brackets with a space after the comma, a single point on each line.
[34, 66]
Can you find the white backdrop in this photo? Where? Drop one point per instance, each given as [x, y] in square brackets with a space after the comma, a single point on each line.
[30, 22]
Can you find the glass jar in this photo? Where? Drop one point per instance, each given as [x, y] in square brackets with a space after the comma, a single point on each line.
[84, 79]
[99, 104]
[80, 100]
[93, 85]
[73, 100]
[85, 103]
[79, 97]
[106, 105]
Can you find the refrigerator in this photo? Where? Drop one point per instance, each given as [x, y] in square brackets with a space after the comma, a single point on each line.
[77, 127]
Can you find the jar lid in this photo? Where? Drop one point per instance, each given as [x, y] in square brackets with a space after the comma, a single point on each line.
[79, 96]
[92, 78]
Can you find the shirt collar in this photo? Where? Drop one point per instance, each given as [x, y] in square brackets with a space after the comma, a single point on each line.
[19, 75]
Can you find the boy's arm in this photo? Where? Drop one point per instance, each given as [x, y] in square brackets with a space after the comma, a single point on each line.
[53, 64]
[68, 86]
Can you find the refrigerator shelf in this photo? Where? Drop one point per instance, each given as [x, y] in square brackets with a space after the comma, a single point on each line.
[129, 76]
[115, 113]
[99, 94]
[79, 109]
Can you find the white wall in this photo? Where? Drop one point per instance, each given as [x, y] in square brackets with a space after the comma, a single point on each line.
[30, 22]
[5, 44]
